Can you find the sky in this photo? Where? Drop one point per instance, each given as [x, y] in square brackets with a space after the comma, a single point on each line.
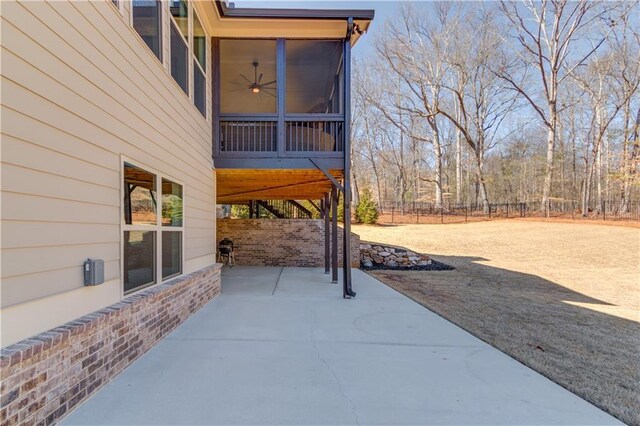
[384, 9]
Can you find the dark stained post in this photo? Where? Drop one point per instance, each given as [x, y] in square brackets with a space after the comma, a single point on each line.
[327, 232]
[347, 291]
[334, 234]
[280, 87]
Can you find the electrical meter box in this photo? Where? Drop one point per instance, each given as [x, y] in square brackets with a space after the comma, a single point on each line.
[93, 271]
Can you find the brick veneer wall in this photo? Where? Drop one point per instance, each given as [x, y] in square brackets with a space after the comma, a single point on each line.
[281, 242]
[45, 377]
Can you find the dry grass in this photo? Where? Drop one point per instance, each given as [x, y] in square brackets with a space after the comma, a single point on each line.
[563, 298]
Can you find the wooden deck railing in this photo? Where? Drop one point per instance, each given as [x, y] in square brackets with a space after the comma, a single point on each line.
[262, 137]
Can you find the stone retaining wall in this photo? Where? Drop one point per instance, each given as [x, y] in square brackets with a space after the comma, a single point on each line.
[281, 242]
[377, 255]
[46, 376]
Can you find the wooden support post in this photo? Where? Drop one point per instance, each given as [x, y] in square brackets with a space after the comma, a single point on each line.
[347, 291]
[327, 234]
[334, 234]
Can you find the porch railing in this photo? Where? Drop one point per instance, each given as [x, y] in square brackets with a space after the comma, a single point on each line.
[268, 137]
[314, 136]
[248, 136]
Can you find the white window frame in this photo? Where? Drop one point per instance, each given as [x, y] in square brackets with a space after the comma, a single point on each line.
[172, 21]
[162, 60]
[157, 228]
[119, 7]
[194, 59]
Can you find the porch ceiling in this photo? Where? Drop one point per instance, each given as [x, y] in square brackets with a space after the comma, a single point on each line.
[242, 185]
[223, 21]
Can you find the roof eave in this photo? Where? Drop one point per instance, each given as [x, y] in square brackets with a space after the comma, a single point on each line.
[263, 13]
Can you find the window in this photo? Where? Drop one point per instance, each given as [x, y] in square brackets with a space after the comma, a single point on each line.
[179, 61]
[179, 47]
[314, 76]
[152, 239]
[199, 89]
[199, 50]
[180, 13]
[248, 77]
[147, 21]
[199, 42]
[171, 229]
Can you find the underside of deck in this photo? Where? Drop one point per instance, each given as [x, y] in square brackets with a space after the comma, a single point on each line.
[242, 185]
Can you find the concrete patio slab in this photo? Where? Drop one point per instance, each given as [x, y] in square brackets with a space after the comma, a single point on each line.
[280, 346]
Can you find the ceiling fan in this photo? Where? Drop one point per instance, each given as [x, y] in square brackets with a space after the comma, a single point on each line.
[256, 86]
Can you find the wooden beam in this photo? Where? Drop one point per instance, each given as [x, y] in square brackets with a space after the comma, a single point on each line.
[328, 175]
[272, 188]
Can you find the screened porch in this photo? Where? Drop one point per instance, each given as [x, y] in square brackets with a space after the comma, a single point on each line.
[281, 100]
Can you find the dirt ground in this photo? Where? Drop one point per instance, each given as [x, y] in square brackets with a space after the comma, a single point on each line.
[562, 298]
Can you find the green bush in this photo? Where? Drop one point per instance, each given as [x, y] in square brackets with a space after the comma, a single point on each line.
[240, 211]
[366, 209]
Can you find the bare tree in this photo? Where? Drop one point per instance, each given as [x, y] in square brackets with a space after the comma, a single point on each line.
[367, 133]
[626, 47]
[406, 49]
[548, 34]
[447, 96]
[479, 102]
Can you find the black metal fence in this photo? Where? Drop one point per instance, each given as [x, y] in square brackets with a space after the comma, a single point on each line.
[417, 212]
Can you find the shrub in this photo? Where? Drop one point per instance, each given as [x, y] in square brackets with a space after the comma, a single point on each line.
[366, 209]
[240, 211]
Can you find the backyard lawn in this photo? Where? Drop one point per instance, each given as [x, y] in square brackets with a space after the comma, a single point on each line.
[562, 298]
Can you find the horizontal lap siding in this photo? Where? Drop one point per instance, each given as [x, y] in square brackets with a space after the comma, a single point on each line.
[80, 89]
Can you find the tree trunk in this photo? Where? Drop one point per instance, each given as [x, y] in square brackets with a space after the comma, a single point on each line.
[588, 182]
[437, 150]
[597, 156]
[355, 191]
[481, 184]
[458, 160]
[378, 186]
[546, 188]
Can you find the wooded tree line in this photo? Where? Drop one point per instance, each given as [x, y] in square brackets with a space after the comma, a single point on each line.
[478, 103]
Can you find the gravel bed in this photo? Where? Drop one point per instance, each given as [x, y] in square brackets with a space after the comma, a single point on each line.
[434, 266]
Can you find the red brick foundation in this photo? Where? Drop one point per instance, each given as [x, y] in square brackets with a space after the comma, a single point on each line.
[46, 376]
[281, 242]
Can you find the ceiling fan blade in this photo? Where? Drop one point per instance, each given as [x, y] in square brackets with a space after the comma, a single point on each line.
[248, 81]
[270, 94]
[260, 78]
[268, 83]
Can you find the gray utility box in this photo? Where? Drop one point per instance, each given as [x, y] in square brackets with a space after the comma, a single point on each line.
[93, 271]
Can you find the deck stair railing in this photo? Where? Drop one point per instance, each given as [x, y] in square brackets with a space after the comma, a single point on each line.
[285, 209]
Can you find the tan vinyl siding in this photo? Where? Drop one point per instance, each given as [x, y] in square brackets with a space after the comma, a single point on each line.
[81, 91]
